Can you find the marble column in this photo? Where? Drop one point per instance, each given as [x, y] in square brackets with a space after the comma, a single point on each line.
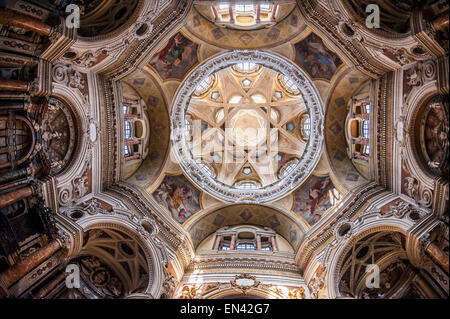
[258, 242]
[258, 13]
[44, 291]
[21, 268]
[233, 242]
[16, 19]
[425, 287]
[14, 196]
[274, 244]
[217, 244]
[12, 104]
[230, 10]
[14, 85]
[438, 254]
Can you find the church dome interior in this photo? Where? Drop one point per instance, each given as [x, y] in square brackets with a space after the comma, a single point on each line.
[197, 149]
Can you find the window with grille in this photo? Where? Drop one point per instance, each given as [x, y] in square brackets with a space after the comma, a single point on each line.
[245, 246]
[307, 126]
[244, 7]
[127, 126]
[288, 85]
[246, 67]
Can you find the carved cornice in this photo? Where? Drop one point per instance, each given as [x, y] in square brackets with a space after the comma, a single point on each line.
[228, 262]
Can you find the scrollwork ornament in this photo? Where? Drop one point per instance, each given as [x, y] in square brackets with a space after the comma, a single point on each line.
[65, 196]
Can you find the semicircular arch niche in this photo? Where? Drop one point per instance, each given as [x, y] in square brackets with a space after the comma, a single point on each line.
[343, 169]
[250, 133]
[431, 130]
[57, 135]
[387, 251]
[142, 88]
[199, 25]
[205, 224]
[112, 265]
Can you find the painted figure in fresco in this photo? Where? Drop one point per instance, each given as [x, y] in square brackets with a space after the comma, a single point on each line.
[176, 58]
[313, 199]
[312, 54]
[317, 192]
[179, 197]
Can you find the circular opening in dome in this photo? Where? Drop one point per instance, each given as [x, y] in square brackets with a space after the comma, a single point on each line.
[347, 30]
[362, 252]
[246, 127]
[419, 50]
[76, 214]
[344, 229]
[414, 215]
[148, 227]
[142, 29]
[126, 249]
[69, 55]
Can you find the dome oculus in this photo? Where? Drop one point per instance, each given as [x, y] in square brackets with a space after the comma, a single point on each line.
[243, 137]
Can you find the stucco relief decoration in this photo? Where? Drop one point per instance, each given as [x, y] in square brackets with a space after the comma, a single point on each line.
[245, 283]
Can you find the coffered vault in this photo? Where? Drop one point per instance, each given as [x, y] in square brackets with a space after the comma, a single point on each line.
[197, 149]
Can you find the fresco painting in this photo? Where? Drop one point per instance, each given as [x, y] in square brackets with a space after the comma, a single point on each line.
[314, 198]
[176, 58]
[178, 195]
[316, 58]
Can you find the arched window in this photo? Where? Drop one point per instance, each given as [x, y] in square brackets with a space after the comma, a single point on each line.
[126, 150]
[204, 85]
[246, 67]
[125, 109]
[288, 85]
[287, 168]
[127, 126]
[244, 7]
[208, 169]
[223, 6]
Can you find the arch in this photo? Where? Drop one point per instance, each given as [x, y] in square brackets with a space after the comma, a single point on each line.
[81, 116]
[414, 103]
[286, 224]
[26, 140]
[335, 260]
[153, 254]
